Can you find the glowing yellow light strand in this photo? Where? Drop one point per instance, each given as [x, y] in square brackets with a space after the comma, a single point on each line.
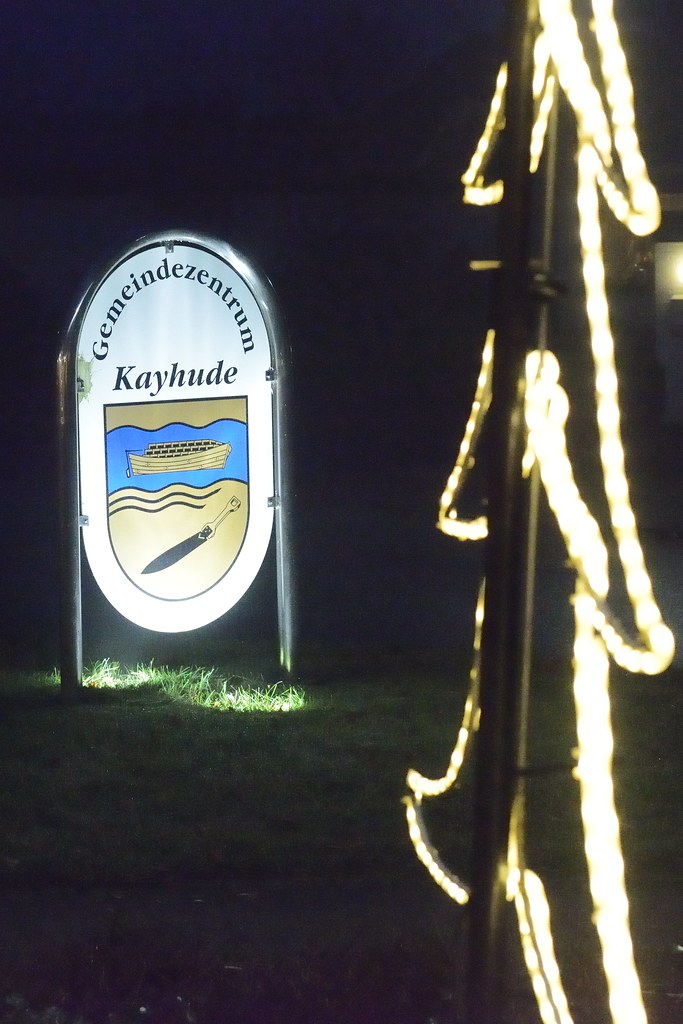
[421, 786]
[546, 411]
[540, 127]
[588, 553]
[600, 821]
[428, 856]
[543, 88]
[449, 523]
[475, 191]
[595, 744]
[656, 637]
[533, 916]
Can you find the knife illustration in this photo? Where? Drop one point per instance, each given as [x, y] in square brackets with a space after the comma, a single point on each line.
[184, 547]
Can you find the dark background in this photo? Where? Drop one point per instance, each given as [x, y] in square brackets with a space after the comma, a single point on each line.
[325, 141]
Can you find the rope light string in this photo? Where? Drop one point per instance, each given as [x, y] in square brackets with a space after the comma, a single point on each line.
[533, 916]
[476, 192]
[598, 812]
[421, 786]
[448, 522]
[610, 164]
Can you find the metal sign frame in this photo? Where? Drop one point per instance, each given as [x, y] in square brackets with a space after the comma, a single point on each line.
[71, 520]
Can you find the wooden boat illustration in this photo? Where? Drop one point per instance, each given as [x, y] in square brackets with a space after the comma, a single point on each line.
[178, 457]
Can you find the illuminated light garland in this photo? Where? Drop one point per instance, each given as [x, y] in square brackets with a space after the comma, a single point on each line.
[632, 199]
[600, 822]
[559, 23]
[485, 195]
[475, 191]
[540, 127]
[421, 786]
[448, 522]
[642, 213]
[541, 65]
[428, 856]
[546, 411]
[543, 89]
[533, 917]
[639, 210]
[656, 637]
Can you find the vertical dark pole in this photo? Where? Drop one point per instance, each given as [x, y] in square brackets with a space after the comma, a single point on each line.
[71, 633]
[501, 648]
[544, 294]
[283, 513]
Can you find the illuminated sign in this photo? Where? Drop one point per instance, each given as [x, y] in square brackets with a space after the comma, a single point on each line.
[176, 374]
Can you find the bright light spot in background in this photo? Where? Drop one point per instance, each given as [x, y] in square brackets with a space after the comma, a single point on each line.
[679, 271]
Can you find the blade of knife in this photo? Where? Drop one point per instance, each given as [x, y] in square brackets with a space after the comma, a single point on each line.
[178, 551]
[184, 547]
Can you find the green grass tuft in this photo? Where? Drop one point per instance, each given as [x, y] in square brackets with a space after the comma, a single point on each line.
[203, 687]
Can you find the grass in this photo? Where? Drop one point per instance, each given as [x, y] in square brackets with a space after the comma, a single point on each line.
[203, 687]
[156, 771]
[214, 865]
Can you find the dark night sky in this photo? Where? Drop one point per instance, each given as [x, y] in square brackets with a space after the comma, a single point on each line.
[267, 58]
[95, 96]
[165, 98]
[326, 140]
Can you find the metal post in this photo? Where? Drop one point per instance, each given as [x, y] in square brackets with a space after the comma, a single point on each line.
[545, 291]
[71, 631]
[283, 513]
[501, 648]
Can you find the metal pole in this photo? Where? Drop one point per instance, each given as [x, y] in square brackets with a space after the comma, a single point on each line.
[71, 630]
[501, 648]
[544, 293]
[283, 513]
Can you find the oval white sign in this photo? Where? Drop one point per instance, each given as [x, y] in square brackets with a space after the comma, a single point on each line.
[175, 420]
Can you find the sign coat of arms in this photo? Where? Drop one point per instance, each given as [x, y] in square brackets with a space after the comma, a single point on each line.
[175, 420]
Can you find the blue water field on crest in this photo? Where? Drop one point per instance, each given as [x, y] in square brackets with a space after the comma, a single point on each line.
[122, 441]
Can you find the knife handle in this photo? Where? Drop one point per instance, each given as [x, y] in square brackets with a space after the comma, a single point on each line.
[210, 528]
